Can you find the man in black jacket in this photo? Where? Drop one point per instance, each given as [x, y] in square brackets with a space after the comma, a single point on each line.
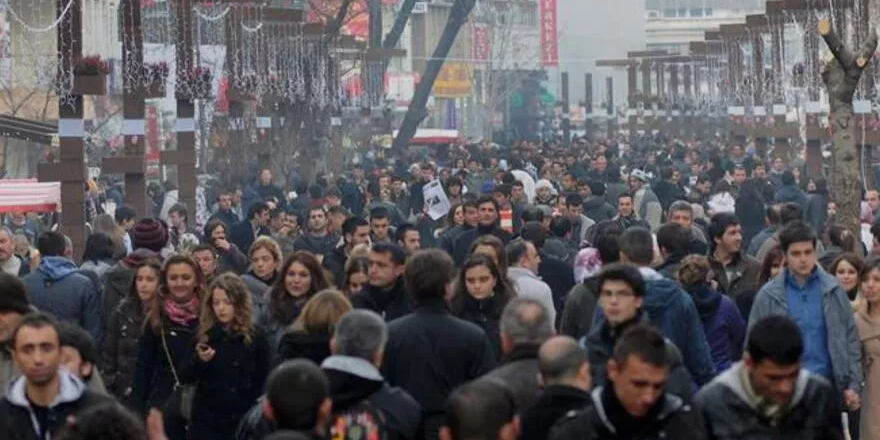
[355, 231]
[525, 325]
[385, 293]
[768, 395]
[634, 404]
[245, 232]
[430, 352]
[358, 345]
[565, 375]
[37, 405]
[487, 225]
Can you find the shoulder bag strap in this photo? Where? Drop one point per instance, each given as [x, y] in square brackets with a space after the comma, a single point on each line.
[170, 361]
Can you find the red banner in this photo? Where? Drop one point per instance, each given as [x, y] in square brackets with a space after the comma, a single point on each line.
[549, 38]
[482, 51]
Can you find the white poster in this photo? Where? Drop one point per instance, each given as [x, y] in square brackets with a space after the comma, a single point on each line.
[435, 199]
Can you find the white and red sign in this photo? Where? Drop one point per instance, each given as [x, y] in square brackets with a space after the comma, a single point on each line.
[482, 50]
[549, 37]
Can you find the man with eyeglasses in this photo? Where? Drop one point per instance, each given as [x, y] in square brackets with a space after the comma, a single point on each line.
[621, 294]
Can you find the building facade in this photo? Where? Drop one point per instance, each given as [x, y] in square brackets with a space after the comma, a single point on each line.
[671, 24]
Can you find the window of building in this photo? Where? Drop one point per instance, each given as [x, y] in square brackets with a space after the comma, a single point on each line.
[682, 12]
[708, 12]
[669, 13]
[696, 12]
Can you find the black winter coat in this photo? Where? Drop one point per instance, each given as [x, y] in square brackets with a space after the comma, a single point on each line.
[120, 350]
[486, 314]
[297, 344]
[227, 385]
[466, 239]
[673, 419]
[555, 401]
[429, 353]
[392, 303]
[334, 261]
[153, 381]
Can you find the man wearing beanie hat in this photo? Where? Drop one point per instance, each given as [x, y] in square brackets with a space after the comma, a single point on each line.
[148, 236]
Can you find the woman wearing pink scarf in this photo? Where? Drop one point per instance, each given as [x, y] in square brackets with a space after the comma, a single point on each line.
[166, 348]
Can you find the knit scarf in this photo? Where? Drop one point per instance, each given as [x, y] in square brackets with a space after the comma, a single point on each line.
[182, 314]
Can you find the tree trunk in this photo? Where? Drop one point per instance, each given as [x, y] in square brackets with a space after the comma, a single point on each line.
[417, 112]
[841, 77]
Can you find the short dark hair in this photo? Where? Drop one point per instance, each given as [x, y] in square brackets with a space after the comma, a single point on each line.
[777, 339]
[679, 206]
[626, 273]
[256, 209]
[350, 225]
[796, 232]
[574, 199]
[515, 250]
[561, 225]
[378, 213]
[789, 212]
[532, 214]
[644, 342]
[201, 247]
[297, 410]
[534, 232]
[401, 231]
[277, 212]
[788, 178]
[398, 255]
[487, 199]
[673, 238]
[72, 335]
[479, 409]
[105, 421]
[637, 244]
[606, 238]
[427, 274]
[36, 320]
[180, 209]
[51, 244]
[503, 189]
[718, 225]
[124, 213]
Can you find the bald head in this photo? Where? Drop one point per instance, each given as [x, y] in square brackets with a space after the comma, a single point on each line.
[561, 361]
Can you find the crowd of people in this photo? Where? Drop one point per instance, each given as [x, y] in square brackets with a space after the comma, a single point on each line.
[659, 289]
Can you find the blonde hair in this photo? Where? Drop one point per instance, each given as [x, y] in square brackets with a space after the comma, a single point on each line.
[269, 244]
[361, 250]
[240, 296]
[322, 312]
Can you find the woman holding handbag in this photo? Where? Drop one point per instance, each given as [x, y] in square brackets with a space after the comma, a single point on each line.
[167, 346]
[232, 360]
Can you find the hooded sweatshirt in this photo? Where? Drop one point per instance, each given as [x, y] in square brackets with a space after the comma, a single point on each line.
[672, 310]
[725, 328]
[20, 420]
[57, 287]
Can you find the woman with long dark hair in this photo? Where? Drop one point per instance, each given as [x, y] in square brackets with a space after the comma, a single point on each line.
[167, 344]
[481, 293]
[120, 349]
[232, 360]
[300, 278]
[100, 254]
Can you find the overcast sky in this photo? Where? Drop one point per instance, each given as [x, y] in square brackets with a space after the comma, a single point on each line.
[596, 29]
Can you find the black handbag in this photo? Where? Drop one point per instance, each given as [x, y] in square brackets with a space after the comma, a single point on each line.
[181, 400]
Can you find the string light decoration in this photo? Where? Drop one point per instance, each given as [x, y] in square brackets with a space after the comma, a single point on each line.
[32, 59]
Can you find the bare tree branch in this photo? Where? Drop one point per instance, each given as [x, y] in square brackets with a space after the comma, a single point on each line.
[335, 26]
[835, 45]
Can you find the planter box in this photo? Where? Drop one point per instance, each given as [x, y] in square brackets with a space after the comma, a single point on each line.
[90, 85]
[155, 89]
[238, 95]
